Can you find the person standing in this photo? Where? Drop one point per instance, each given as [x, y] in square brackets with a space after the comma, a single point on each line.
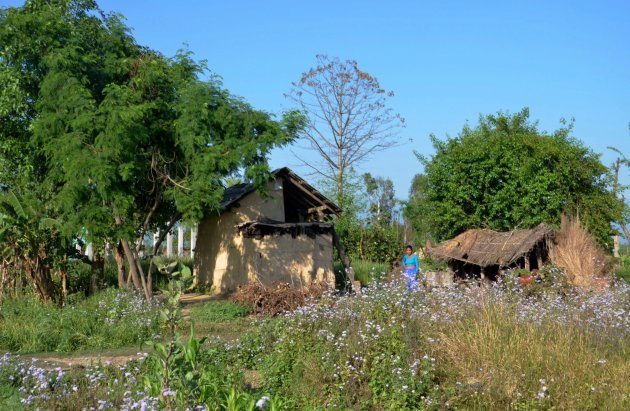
[411, 267]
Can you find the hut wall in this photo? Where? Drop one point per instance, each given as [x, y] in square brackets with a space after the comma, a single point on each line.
[299, 260]
[218, 246]
[225, 259]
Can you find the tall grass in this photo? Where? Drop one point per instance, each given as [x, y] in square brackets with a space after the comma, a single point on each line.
[578, 252]
[110, 319]
[539, 366]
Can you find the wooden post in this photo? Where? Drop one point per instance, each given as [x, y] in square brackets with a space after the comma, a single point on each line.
[527, 262]
[180, 240]
[539, 256]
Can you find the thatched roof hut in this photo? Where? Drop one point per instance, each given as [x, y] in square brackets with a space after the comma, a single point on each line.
[493, 250]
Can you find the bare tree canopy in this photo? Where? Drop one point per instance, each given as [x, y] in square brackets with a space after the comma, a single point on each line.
[348, 118]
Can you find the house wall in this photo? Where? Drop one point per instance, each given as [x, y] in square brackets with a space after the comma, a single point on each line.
[224, 259]
[299, 260]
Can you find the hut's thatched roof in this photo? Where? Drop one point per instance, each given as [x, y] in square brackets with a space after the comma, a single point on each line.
[486, 247]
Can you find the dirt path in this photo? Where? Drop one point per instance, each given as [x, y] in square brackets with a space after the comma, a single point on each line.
[195, 298]
[114, 357]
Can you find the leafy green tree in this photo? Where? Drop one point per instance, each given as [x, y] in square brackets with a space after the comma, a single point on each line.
[619, 190]
[27, 34]
[30, 242]
[122, 139]
[380, 193]
[417, 210]
[363, 237]
[504, 173]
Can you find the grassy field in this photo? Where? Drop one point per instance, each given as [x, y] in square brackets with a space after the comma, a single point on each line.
[493, 348]
[110, 319]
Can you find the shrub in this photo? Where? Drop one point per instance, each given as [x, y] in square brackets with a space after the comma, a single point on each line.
[366, 272]
[432, 264]
[79, 274]
[371, 243]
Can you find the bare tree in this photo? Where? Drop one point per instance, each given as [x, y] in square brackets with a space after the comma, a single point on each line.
[348, 119]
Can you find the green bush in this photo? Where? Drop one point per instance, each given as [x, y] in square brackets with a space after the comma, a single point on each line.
[110, 319]
[372, 243]
[160, 280]
[431, 264]
[622, 270]
[370, 272]
[366, 272]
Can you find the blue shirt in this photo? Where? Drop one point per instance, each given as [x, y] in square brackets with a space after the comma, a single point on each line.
[413, 260]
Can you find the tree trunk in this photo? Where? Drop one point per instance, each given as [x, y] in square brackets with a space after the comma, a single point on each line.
[147, 291]
[41, 279]
[340, 199]
[119, 256]
[133, 269]
[97, 265]
[6, 278]
[64, 286]
[626, 232]
[150, 276]
[131, 260]
[348, 270]
[63, 273]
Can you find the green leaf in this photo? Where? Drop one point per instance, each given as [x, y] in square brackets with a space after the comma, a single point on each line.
[186, 273]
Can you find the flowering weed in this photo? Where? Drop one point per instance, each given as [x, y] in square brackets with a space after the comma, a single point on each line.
[109, 319]
[473, 348]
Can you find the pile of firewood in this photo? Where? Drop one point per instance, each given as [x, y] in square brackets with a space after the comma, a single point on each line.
[278, 298]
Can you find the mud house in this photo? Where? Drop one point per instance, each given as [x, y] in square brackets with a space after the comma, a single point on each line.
[484, 253]
[277, 237]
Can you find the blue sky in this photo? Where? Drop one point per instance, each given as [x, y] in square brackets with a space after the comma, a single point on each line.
[447, 61]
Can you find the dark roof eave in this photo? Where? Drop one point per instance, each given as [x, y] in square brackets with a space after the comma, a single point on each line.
[322, 198]
[245, 189]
